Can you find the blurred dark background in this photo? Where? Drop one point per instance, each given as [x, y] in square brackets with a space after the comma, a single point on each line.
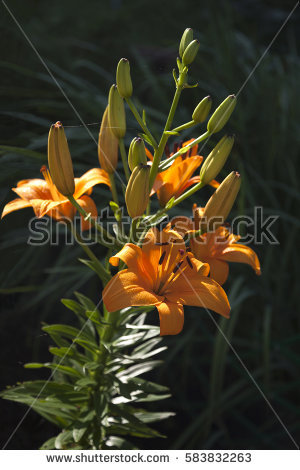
[81, 43]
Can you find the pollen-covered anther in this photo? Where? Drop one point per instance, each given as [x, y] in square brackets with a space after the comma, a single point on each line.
[177, 267]
[161, 259]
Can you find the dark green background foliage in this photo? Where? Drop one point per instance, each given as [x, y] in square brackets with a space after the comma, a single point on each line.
[217, 404]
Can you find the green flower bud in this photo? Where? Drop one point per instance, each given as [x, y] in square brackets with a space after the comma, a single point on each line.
[186, 39]
[201, 111]
[190, 52]
[116, 113]
[59, 159]
[137, 191]
[137, 153]
[216, 159]
[123, 79]
[221, 115]
[220, 204]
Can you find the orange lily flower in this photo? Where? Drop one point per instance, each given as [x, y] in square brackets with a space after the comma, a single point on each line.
[178, 177]
[44, 198]
[162, 273]
[216, 248]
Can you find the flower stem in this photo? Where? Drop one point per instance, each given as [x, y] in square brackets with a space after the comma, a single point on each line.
[113, 188]
[141, 122]
[101, 271]
[166, 163]
[109, 241]
[187, 125]
[188, 193]
[124, 158]
[164, 138]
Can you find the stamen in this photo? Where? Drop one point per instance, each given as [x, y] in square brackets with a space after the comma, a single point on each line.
[189, 262]
[47, 177]
[177, 267]
[161, 259]
[167, 151]
[162, 244]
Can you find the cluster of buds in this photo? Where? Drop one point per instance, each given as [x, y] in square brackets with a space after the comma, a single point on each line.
[113, 129]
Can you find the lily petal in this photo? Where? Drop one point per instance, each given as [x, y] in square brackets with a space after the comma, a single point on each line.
[90, 208]
[42, 207]
[241, 254]
[15, 205]
[176, 176]
[218, 270]
[171, 318]
[33, 189]
[199, 291]
[133, 256]
[127, 289]
[90, 179]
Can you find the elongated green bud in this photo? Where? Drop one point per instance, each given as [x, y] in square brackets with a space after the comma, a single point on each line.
[59, 159]
[190, 52]
[137, 191]
[186, 39]
[137, 153]
[116, 113]
[220, 204]
[221, 115]
[201, 111]
[107, 145]
[215, 161]
[123, 79]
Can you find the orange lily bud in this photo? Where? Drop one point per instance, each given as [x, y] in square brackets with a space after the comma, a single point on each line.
[137, 191]
[220, 203]
[221, 115]
[59, 159]
[190, 52]
[216, 159]
[202, 109]
[123, 79]
[137, 153]
[107, 146]
[116, 113]
[186, 39]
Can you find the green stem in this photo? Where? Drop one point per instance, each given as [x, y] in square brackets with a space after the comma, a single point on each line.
[164, 138]
[141, 122]
[166, 163]
[101, 230]
[124, 158]
[113, 188]
[103, 274]
[134, 224]
[187, 125]
[188, 193]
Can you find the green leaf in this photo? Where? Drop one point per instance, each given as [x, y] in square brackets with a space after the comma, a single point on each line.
[49, 444]
[63, 440]
[114, 442]
[139, 369]
[26, 152]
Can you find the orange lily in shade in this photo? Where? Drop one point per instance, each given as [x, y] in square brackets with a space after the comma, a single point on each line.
[43, 196]
[163, 273]
[178, 177]
[219, 247]
[216, 248]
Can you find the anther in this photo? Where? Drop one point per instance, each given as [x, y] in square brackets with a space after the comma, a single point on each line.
[177, 267]
[161, 259]
[189, 262]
